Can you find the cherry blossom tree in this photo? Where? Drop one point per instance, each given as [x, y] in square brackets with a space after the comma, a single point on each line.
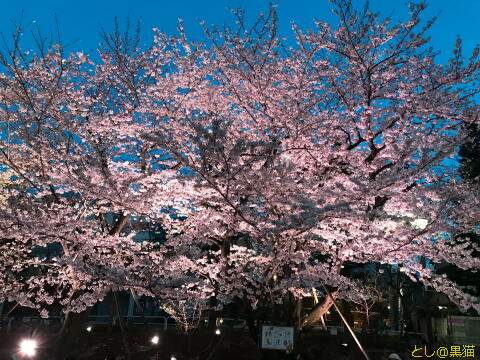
[325, 152]
[268, 163]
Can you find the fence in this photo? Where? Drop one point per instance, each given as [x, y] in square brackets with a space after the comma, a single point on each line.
[12, 324]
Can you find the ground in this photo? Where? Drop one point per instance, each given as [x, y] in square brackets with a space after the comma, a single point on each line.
[231, 344]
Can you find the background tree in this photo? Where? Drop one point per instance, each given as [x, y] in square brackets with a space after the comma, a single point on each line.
[470, 171]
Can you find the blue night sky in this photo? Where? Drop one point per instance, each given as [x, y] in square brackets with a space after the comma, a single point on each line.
[80, 21]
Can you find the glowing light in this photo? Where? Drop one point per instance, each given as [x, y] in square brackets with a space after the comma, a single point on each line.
[89, 328]
[155, 340]
[218, 332]
[420, 224]
[173, 358]
[28, 347]
[221, 321]
[274, 277]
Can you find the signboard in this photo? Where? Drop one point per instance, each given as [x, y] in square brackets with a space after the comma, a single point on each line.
[277, 337]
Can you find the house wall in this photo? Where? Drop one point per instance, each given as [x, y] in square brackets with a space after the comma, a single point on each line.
[465, 330]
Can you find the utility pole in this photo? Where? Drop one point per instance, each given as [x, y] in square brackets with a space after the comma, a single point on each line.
[346, 324]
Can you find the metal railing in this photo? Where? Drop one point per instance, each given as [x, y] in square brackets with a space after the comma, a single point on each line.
[163, 322]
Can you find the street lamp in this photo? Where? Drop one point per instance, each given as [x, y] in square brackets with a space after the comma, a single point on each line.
[28, 347]
[217, 332]
[155, 340]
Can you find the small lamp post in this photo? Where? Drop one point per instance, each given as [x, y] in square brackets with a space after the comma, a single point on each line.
[155, 340]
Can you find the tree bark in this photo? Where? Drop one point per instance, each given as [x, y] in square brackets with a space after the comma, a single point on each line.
[298, 313]
[72, 328]
[74, 323]
[212, 312]
[122, 327]
[428, 318]
[250, 316]
[319, 311]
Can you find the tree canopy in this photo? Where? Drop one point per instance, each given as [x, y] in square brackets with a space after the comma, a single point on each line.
[268, 165]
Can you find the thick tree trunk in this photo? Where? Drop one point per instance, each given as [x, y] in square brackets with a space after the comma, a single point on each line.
[111, 312]
[73, 326]
[74, 323]
[393, 311]
[298, 313]
[319, 311]
[428, 318]
[347, 325]
[276, 313]
[119, 224]
[250, 316]
[122, 327]
[212, 312]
